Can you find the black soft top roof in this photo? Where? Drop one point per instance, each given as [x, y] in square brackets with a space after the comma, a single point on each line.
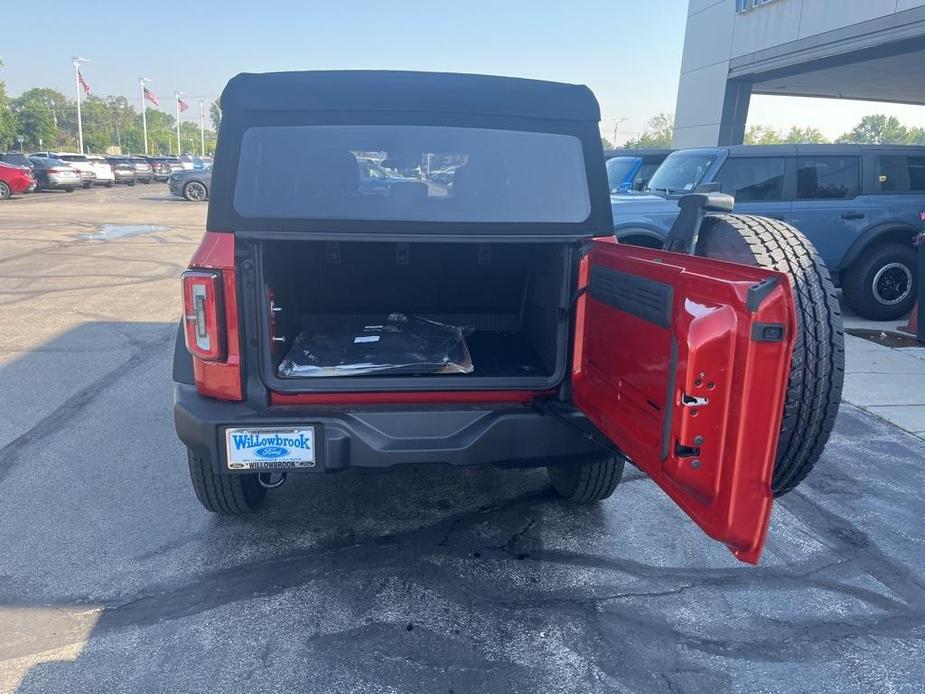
[384, 90]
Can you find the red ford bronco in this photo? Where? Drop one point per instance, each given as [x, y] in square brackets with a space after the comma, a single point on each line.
[420, 268]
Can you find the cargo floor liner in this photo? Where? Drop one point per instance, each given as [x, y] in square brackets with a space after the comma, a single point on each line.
[493, 352]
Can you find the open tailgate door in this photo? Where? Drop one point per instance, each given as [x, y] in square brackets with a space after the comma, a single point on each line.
[682, 362]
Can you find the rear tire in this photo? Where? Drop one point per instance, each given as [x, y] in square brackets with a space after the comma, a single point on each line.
[585, 483]
[5, 192]
[69, 189]
[108, 184]
[882, 285]
[226, 494]
[817, 370]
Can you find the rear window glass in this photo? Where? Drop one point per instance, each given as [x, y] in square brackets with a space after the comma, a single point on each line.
[759, 179]
[618, 169]
[72, 157]
[411, 173]
[901, 174]
[828, 178]
[681, 172]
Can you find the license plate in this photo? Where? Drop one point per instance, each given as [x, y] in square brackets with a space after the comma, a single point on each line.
[270, 448]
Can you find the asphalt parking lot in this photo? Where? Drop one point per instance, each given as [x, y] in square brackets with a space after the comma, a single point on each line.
[112, 577]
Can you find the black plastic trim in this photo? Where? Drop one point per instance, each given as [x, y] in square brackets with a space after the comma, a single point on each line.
[669, 397]
[638, 296]
[757, 293]
[386, 435]
[182, 371]
[769, 332]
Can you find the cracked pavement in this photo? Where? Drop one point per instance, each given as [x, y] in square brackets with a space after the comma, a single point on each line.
[112, 578]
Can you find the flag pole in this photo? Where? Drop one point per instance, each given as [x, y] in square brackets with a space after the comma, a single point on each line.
[144, 118]
[179, 147]
[80, 129]
[202, 132]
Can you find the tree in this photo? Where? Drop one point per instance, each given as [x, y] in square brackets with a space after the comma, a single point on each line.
[606, 144]
[657, 134]
[878, 129]
[8, 125]
[215, 114]
[47, 118]
[802, 136]
[762, 135]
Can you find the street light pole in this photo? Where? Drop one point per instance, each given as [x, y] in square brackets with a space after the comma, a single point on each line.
[615, 126]
[76, 60]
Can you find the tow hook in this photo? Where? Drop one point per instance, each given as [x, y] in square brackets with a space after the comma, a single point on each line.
[266, 479]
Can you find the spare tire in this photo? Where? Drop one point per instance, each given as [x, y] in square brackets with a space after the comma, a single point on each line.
[818, 368]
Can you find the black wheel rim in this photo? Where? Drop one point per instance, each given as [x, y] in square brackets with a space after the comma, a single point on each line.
[892, 284]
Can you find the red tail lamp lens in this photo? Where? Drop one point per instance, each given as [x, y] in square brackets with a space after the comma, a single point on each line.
[203, 311]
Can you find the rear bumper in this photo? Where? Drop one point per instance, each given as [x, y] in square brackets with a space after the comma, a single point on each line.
[63, 182]
[385, 436]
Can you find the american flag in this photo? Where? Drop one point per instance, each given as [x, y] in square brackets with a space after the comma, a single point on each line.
[182, 105]
[83, 83]
[151, 96]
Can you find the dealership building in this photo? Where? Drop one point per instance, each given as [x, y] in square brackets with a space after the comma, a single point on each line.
[846, 49]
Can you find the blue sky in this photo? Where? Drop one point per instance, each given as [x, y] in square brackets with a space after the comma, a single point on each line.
[628, 52]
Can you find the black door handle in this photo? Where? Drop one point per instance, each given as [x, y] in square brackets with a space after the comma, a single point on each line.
[853, 215]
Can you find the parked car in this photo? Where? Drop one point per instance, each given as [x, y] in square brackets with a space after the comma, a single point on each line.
[860, 205]
[496, 323]
[191, 184]
[96, 165]
[77, 162]
[175, 164]
[123, 170]
[160, 168]
[631, 169]
[54, 174]
[144, 173]
[16, 159]
[14, 180]
[187, 161]
[85, 163]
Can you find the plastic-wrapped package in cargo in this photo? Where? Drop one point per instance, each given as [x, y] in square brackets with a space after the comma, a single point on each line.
[398, 344]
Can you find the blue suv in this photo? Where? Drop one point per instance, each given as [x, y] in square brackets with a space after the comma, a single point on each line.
[630, 169]
[860, 205]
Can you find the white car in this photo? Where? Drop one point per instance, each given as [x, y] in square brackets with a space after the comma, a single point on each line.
[104, 173]
[85, 163]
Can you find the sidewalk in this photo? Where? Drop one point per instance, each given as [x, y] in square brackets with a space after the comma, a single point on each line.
[887, 382]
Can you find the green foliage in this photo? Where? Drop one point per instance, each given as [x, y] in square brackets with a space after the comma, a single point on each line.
[48, 116]
[764, 135]
[606, 144]
[657, 134]
[879, 129]
[8, 124]
[215, 113]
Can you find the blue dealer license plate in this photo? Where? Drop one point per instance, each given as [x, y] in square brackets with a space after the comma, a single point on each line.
[270, 448]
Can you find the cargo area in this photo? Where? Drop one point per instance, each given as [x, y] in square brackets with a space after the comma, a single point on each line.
[492, 311]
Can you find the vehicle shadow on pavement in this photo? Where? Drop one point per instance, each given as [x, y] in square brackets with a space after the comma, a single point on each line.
[427, 578]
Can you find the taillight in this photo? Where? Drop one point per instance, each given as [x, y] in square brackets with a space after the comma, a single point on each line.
[203, 314]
